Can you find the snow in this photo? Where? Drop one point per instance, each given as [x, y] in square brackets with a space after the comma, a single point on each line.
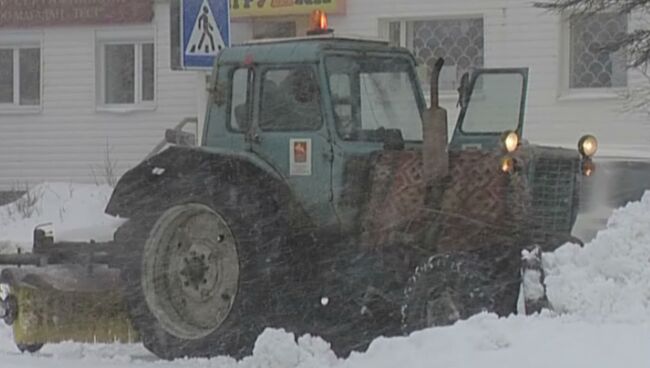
[76, 211]
[600, 294]
[608, 279]
[532, 285]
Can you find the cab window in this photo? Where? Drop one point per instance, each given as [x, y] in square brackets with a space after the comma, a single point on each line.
[290, 100]
[372, 94]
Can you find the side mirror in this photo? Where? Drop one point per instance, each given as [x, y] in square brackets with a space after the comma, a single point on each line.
[180, 138]
[463, 91]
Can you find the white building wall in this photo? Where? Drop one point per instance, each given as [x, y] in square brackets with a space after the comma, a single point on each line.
[518, 35]
[68, 138]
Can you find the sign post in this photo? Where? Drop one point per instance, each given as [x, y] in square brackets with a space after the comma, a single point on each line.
[205, 30]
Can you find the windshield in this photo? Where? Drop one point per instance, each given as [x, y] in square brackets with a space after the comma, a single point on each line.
[495, 103]
[372, 94]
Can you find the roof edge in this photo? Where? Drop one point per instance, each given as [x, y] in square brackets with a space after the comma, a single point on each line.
[325, 37]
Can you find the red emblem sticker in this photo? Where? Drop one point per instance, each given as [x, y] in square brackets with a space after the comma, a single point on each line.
[300, 157]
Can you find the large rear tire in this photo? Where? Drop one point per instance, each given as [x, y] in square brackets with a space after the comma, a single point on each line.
[198, 274]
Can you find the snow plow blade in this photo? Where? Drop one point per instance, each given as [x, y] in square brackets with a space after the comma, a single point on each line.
[65, 303]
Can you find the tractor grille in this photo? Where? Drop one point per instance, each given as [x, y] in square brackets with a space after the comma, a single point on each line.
[553, 194]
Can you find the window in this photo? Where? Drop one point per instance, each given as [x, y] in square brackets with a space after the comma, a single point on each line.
[20, 76]
[290, 100]
[240, 100]
[592, 65]
[458, 41]
[496, 105]
[127, 73]
[372, 94]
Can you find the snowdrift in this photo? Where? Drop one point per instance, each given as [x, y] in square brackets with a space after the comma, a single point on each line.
[608, 279]
[601, 296]
[75, 210]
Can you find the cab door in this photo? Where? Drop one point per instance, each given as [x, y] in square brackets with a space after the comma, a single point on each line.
[290, 133]
[493, 103]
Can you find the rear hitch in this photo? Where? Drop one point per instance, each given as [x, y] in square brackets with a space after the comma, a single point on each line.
[9, 309]
[46, 252]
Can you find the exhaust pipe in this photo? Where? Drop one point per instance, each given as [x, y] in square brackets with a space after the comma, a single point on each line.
[434, 133]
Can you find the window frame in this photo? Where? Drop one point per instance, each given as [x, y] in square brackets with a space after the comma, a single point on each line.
[472, 89]
[138, 37]
[384, 33]
[567, 92]
[250, 93]
[15, 42]
[420, 99]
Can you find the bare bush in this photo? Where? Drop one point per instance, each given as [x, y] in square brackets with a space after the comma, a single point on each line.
[27, 204]
[107, 172]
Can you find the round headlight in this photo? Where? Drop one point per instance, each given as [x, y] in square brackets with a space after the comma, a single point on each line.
[510, 141]
[507, 164]
[588, 145]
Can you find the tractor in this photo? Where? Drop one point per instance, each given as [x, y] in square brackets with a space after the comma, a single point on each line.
[325, 197]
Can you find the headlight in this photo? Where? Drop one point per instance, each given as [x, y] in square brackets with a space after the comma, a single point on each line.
[509, 141]
[507, 164]
[588, 145]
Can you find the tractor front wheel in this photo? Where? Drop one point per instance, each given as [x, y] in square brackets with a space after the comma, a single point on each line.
[452, 286]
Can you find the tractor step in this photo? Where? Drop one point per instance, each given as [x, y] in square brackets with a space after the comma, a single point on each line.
[66, 303]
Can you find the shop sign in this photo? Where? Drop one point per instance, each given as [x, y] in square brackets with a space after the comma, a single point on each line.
[263, 8]
[46, 13]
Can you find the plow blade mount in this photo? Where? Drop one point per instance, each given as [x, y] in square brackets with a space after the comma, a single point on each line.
[66, 303]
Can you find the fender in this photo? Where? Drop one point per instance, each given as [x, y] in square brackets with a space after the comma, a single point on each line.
[189, 172]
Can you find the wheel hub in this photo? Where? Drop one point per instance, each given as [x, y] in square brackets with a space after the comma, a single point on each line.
[194, 272]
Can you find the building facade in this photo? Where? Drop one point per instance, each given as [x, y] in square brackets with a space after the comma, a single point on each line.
[70, 103]
[86, 88]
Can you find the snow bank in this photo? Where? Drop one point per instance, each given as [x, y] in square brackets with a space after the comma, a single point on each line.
[608, 279]
[483, 341]
[75, 210]
[601, 291]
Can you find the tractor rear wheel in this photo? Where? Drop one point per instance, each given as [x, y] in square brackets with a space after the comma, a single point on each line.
[195, 279]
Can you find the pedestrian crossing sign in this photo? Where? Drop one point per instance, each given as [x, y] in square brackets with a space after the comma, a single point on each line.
[205, 31]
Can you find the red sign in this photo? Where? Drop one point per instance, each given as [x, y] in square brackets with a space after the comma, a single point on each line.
[300, 152]
[46, 13]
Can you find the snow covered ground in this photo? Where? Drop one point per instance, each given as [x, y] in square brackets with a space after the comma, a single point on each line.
[601, 295]
[76, 211]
